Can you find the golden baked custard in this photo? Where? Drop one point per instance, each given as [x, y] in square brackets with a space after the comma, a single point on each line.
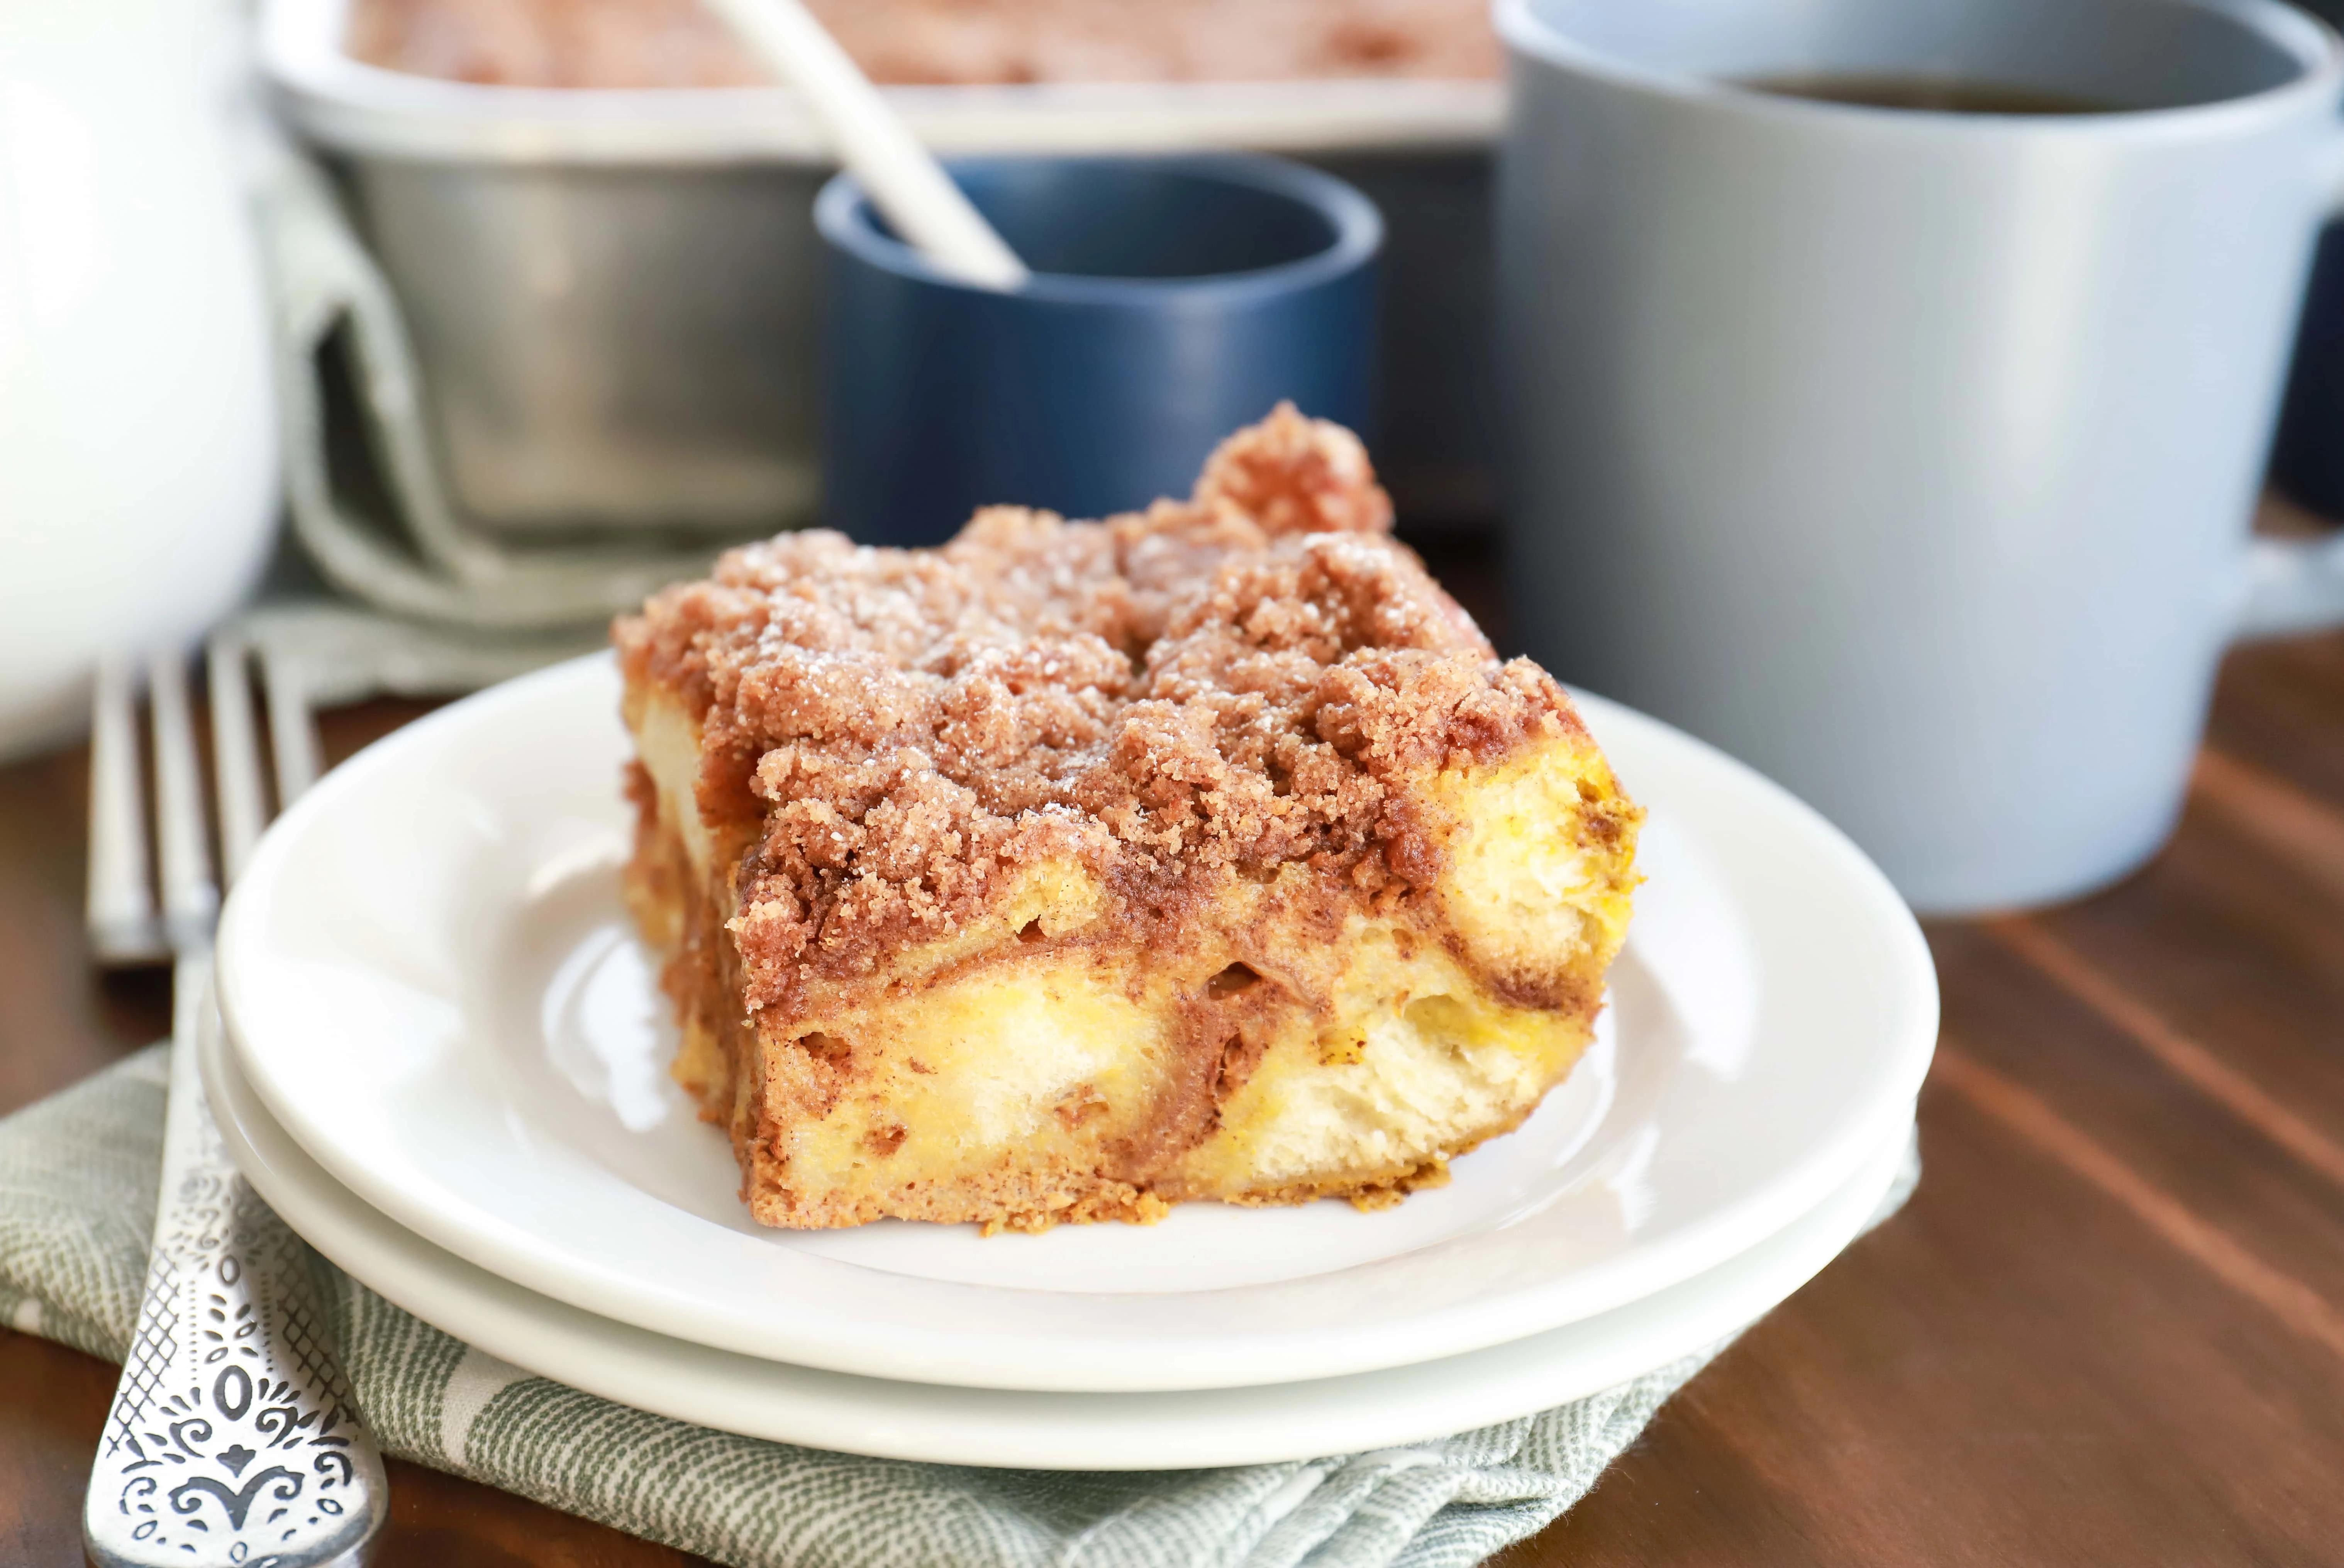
[1073, 869]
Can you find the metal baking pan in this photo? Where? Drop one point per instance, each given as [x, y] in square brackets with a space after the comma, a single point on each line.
[612, 293]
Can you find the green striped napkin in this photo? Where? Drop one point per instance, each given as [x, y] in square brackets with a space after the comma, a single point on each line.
[77, 1175]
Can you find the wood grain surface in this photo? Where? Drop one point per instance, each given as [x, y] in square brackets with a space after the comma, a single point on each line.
[2109, 1329]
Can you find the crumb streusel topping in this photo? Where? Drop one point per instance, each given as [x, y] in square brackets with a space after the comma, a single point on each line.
[1218, 687]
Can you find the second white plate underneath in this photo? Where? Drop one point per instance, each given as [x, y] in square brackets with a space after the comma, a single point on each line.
[1176, 1430]
[429, 976]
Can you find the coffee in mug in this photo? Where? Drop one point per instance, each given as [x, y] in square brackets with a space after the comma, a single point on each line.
[1938, 94]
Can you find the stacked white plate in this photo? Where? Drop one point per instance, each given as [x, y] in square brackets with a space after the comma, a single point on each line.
[443, 1061]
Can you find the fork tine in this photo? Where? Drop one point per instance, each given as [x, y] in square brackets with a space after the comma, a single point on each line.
[190, 897]
[292, 731]
[121, 911]
[235, 753]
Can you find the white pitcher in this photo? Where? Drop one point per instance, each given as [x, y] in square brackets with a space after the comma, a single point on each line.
[137, 432]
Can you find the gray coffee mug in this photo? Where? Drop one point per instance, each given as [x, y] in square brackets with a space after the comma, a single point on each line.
[1910, 454]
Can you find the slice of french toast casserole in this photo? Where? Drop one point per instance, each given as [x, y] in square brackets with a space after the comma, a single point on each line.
[1072, 869]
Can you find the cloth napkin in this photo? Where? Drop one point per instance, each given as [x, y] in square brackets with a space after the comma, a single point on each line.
[77, 1178]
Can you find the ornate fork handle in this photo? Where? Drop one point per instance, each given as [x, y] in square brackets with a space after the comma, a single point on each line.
[232, 1438]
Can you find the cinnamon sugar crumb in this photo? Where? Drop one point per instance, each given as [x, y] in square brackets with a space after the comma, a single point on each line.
[1257, 676]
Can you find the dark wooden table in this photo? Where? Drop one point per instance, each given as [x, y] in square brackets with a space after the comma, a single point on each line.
[2109, 1328]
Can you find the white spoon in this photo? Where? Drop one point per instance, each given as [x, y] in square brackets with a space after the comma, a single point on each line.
[905, 182]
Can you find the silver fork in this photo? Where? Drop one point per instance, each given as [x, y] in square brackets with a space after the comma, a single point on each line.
[232, 1438]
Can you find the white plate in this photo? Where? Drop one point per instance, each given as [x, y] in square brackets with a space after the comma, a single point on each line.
[829, 1410]
[428, 977]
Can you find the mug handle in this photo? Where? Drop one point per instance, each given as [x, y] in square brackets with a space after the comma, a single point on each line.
[2293, 587]
[2296, 585]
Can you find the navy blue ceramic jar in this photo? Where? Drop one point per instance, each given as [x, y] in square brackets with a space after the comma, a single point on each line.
[1173, 301]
